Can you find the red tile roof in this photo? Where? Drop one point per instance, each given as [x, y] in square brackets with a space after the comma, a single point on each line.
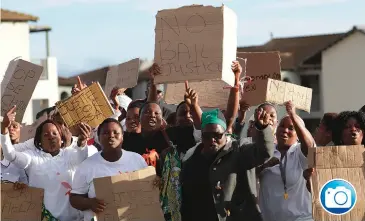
[7, 15]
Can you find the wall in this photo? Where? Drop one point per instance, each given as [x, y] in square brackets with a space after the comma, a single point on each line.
[45, 89]
[14, 42]
[343, 74]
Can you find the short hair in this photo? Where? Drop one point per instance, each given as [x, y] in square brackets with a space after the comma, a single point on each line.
[328, 120]
[181, 103]
[171, 119]
[145, 105]
[136, 104]
[340, 124]
[106, 121]
[267, 104]
[38, 133]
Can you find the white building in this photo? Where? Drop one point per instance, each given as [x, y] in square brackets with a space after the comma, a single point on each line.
[15, 31]
[343, 73]
[333, 65]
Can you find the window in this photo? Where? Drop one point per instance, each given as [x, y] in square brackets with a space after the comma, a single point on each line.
[64, 95]
[39, 105]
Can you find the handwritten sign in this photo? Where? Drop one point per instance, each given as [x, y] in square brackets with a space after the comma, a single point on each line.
[338, 162]
[279, 92]
[124, 75]
[129, 196]
[28, 131]
[260, 66]
[19, 205]
[195, 43]
[18, 86]
[88, 106]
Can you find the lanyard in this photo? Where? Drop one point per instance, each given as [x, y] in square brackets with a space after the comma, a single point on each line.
[283, 173]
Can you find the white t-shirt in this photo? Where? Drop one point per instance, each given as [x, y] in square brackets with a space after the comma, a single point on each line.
[11, 173]
[272, 203]
[51, 173]
[96, 166]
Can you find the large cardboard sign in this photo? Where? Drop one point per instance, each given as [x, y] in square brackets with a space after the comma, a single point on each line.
[89, 106]
[338, 162]
[259, 66]
[124, 75]
[195, 43]
[25, 204]
[129, 196]
[18, 85]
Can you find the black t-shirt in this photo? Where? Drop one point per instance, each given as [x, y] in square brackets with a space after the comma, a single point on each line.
[182, 137]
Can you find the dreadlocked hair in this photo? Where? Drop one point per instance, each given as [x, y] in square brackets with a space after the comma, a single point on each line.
[340, 125]
[39, 131]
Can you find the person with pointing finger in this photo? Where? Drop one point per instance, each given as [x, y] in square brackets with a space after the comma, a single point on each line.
[214, 177]
[49, 165]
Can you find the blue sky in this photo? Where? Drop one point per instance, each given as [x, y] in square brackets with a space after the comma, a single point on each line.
[89, 34]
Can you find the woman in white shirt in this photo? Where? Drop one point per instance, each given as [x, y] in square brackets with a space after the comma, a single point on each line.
[9, 172]
[49, 166]
[111, 161]
[283, 192]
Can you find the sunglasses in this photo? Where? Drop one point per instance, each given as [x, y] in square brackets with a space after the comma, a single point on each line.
[210, 135]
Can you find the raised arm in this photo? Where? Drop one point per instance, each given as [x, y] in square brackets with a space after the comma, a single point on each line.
[234, 97]
[305, 137]
[152, 93]
[240, 121]
[191, 99]
[263, 149]
[81, 153]
[19, 159]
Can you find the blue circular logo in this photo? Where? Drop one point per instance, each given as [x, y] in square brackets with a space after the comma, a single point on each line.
[338, 196]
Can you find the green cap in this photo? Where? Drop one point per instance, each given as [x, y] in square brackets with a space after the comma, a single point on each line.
[214, 117]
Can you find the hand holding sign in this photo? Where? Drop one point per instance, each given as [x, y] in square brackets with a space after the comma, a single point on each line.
[97, 206]
[154, 71]
[85, 133]
[9, 117]
[290, 108]
[237, 70]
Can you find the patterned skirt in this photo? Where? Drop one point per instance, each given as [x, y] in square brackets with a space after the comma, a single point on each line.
[170, 193]
[46, 215]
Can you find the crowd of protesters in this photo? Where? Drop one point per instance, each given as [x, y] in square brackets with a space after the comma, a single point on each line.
[207, 168]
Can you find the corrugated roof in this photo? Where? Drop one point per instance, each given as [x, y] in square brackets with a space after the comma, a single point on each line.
[12, 16]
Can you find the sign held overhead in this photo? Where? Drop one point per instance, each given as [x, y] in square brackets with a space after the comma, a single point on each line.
[196, 43]
[18, 86]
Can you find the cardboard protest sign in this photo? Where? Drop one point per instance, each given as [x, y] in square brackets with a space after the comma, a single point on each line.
[279, 92]
[124, 75]
[28, 131]
[259, 66]
[338, 162]
[89, 106]
[195, 43]
[129, 196]
[18, 86]
[25, 204]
